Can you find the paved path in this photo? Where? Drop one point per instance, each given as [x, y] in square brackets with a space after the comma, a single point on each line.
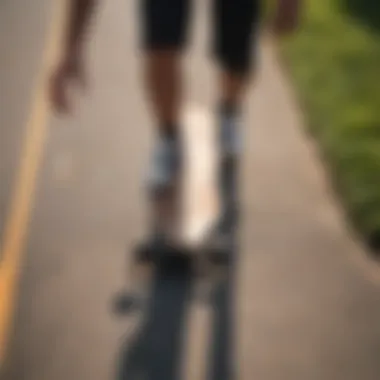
[303, 301]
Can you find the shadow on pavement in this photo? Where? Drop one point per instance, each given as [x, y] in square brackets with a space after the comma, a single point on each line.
[157, 350]
[366, 11]
[222, 364]
[155, 353]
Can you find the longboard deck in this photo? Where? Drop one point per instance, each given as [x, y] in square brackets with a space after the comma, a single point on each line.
[201, 202]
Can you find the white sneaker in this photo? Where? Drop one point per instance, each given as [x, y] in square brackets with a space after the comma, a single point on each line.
[230, 137]
[164, 163]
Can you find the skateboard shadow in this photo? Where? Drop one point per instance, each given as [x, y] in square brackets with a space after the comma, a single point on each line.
[222, 365]
[156, 352]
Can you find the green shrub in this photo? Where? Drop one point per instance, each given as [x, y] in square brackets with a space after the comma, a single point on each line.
[335, 62]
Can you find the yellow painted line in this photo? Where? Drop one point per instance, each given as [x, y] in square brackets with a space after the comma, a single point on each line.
[23, 194]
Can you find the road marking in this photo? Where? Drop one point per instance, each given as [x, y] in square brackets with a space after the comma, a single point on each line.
[23, 194]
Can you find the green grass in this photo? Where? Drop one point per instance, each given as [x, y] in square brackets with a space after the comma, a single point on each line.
[335, 62]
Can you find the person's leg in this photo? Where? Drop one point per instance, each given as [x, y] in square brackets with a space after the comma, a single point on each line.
[164, 86]
[235, 31]
[164, 27]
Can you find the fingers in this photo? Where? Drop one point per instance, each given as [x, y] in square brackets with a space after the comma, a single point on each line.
[59, 86]
[81, 79]
[77, 73]
[57, 92]
[284, 28]
[287, 17]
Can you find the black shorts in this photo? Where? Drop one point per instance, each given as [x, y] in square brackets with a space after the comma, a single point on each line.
[235, 24]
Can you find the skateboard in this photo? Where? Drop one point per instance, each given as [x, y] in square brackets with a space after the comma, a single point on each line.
[188, 216]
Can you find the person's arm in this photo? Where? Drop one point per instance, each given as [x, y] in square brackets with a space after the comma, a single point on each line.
[80, 12]
[70, 67]
[287, 15]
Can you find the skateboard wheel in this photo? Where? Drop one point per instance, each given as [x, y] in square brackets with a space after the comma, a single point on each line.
[126, 304]
[144, 253]
[220, 256]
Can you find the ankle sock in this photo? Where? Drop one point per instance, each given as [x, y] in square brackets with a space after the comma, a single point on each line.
[228, 109]
[169, 131]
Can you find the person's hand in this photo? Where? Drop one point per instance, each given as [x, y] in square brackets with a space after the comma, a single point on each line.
[286, 17]
[68, 71]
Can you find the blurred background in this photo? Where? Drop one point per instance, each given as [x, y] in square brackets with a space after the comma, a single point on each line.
[301, 298]
[334, 61]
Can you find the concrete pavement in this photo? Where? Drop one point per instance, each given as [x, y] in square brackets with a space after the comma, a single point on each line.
[22, 39]
[303, 301]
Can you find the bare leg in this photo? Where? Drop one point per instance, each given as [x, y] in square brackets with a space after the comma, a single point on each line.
[235, 32]
[164, 85]
[232, 90]
[163, 82]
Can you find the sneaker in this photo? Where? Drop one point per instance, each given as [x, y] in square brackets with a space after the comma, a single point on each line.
[230, 136]
[165, 163]
[222, 245]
